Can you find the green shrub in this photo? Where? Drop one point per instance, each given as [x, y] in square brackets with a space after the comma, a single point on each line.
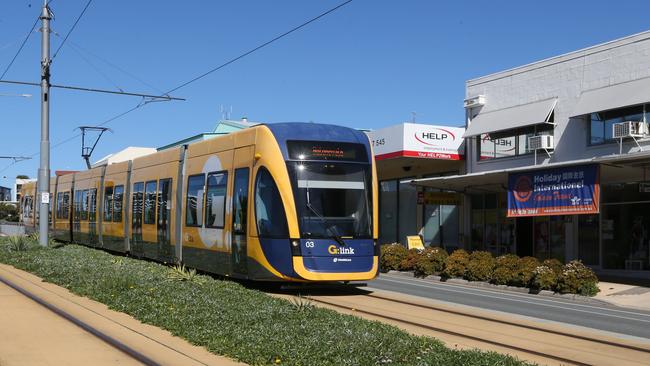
[576, 278]
[456, 264]
[544, 278]
[525, 271]
[18, 243]
[480, 266]
[408, 264]
[554, 265]
[430, 261]
[392, 256]
[506, 271]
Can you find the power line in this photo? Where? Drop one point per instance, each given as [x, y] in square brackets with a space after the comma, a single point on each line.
[21, 48]
[71, 29]
[260, 46]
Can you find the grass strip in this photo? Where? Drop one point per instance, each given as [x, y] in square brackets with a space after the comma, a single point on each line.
[232, 320]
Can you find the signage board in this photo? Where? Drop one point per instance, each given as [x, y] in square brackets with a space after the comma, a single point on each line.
[418, 141]
[441, 198]
[562, 191]
[414, 242]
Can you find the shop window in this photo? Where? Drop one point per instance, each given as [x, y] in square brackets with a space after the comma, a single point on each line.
[510, 143]
[194, 200]
[625, 227]
[407, 211]
[601, 123]
[388, 211]
[491, 229]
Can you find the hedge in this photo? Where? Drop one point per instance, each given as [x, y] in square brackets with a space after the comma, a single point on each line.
[508, 269]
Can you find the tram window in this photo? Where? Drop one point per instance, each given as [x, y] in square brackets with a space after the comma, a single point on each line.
[65, 207]
[137, 202]
[150, 202]
[92, 205]
[84, 204]
[77, 205]
[215, 201]
[118, 196]
[108, 204]
[194, 200]
[59, 205]
[269, 211]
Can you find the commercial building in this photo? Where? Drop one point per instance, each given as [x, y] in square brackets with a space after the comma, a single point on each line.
[557, 158]
[408, 151]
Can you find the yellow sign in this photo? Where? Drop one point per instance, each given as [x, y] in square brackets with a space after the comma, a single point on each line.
[415, 242]
[441, 198]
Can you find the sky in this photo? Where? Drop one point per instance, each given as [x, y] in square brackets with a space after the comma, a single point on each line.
[369, 64]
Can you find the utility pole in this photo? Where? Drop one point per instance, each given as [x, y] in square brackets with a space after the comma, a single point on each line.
[44, 170]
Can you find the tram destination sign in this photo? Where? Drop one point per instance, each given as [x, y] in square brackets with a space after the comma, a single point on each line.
[562, 191]
[326, 150]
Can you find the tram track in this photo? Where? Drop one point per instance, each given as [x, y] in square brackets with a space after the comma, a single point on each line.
[106, 338]
[129, 341]
[544, 343]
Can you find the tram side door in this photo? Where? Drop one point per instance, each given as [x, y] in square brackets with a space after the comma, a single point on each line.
[241, 178]
[165, 250]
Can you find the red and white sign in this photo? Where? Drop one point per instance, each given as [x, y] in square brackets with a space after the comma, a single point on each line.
[418, 141]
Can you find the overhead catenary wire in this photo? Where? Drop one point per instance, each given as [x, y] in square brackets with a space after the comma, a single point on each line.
[259, 47]
[72, 28]
[221, 66]
[31, 30]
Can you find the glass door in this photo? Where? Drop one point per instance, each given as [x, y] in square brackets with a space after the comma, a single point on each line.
[239, 221]
[165, 250]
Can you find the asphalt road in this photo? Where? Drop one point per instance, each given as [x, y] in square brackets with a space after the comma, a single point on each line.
[592, 314]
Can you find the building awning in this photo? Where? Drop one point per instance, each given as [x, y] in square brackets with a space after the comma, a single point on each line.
[497, 180]
[511, 118]
[612, 97]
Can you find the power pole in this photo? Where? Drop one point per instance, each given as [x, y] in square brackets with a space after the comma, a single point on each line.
[44, 170]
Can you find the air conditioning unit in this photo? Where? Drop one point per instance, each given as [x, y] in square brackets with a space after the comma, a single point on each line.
[540, 142]
[629, 129]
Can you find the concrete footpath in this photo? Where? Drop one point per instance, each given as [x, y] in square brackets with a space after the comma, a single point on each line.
[636, 297]
[33, 334]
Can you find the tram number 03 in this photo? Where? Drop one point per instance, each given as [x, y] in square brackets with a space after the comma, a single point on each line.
[309, 244]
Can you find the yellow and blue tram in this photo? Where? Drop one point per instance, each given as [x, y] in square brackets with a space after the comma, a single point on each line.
[276, 202]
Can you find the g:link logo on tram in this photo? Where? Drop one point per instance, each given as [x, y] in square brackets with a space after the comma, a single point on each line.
[332, 249]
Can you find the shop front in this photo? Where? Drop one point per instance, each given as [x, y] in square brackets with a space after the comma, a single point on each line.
[595, 210]
[410, 151]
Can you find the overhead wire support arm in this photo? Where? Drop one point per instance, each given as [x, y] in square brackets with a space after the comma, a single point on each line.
[87, 151]
[94, 90]
[16, 158]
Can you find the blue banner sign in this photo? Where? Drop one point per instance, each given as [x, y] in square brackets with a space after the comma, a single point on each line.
[562, 191]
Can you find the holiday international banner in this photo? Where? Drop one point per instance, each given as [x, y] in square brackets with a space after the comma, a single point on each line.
[562, 191]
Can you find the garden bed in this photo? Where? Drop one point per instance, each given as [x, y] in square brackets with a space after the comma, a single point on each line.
[481, 267]
[230, 319]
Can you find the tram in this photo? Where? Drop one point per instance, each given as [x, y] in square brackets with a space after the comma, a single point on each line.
[273, 202]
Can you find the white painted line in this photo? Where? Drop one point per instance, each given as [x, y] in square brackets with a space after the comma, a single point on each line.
[537, 299]
[536, 303]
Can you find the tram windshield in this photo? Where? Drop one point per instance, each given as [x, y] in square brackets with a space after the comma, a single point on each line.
[333, 199]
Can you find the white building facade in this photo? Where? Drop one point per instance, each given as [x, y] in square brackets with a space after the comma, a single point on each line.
[550, 130]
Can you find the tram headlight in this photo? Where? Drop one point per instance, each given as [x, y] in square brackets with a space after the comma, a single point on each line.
[295, 247]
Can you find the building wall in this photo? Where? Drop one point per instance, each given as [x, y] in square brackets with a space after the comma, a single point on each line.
[564, 77]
